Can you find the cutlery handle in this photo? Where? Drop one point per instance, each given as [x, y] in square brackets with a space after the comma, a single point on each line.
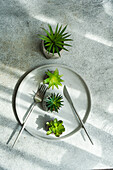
[81, 123]
[87, 134]
[24, 124]
[71, 104]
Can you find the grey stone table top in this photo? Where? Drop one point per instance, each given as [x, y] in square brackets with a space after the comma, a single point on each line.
[90, 23]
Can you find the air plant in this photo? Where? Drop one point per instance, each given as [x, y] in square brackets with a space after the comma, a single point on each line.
[54, 102]
[53, 79]
[56, 127]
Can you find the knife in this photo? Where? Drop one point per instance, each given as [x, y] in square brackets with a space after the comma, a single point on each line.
[66, 94]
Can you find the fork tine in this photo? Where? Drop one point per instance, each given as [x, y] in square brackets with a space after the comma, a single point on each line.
[40, 93]
[39, 87]
[43, 90]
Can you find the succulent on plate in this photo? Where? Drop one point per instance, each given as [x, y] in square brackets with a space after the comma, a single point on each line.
[54, 102]
[53, 79]
[55, 126]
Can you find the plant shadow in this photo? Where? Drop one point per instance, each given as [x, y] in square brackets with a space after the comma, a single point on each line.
[41, 121]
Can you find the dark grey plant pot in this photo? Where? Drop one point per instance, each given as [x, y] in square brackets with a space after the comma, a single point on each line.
[44, 105]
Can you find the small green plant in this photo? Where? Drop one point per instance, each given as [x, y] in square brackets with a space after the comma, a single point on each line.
[53, 79]
[55, 127]
[55, 41]
[54, 102]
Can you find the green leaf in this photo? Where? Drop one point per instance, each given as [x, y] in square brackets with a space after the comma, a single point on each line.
[45, 38]
[59, 30]
[64, 34]
[58, 37]
[63, 44]
[57, 88]
[55, 124]
[47, 33]
[46, 81]
[53, 50]
[51, 123]
[55, 120]
[49, 48]
[54, 130]
[57, 50]
[62, 38]
[50, 28]
[48, 44]
[49, 132]
[60, 122]
[62, 47]
[50, 129]
[63, 29]
[65, 49]
[66, 39]
[57, 134]
[56, 30]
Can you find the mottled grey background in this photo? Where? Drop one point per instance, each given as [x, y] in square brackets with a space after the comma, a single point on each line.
[91, 24]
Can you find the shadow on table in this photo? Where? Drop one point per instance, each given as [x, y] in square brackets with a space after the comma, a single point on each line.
[72, 151]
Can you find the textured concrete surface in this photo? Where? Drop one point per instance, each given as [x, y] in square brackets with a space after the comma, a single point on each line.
[91, 24]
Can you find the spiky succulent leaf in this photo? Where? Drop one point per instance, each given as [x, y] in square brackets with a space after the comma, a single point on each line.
[54, 102]
[53, 39]
[53, 79]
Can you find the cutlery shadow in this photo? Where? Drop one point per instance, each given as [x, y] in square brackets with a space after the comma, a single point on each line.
[13, 133]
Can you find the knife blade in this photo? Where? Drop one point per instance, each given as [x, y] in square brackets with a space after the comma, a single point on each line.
[66, 94]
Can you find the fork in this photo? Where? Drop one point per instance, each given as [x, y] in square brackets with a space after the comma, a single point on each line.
[38, 97]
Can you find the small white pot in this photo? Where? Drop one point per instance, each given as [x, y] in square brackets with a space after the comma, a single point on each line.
[49, 55]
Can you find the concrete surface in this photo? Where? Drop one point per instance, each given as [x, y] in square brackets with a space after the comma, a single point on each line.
[91, 24]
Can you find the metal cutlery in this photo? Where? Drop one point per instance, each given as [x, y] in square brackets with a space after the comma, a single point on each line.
[38, 97]
[66, 94]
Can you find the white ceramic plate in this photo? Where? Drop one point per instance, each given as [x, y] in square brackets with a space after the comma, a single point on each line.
[23, 98]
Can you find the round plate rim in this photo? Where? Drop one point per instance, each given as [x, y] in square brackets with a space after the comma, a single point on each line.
[40, 67]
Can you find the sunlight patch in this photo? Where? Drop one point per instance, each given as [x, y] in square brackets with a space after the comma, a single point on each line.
[44, 18]
[86, 146]
[110, 108]
[73, 92]
[108, 7]
[99, 39]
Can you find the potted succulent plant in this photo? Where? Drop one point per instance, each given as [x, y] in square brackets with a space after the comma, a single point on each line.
[54, 42]
[56, 127]
[53, 78]
[52, 102]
